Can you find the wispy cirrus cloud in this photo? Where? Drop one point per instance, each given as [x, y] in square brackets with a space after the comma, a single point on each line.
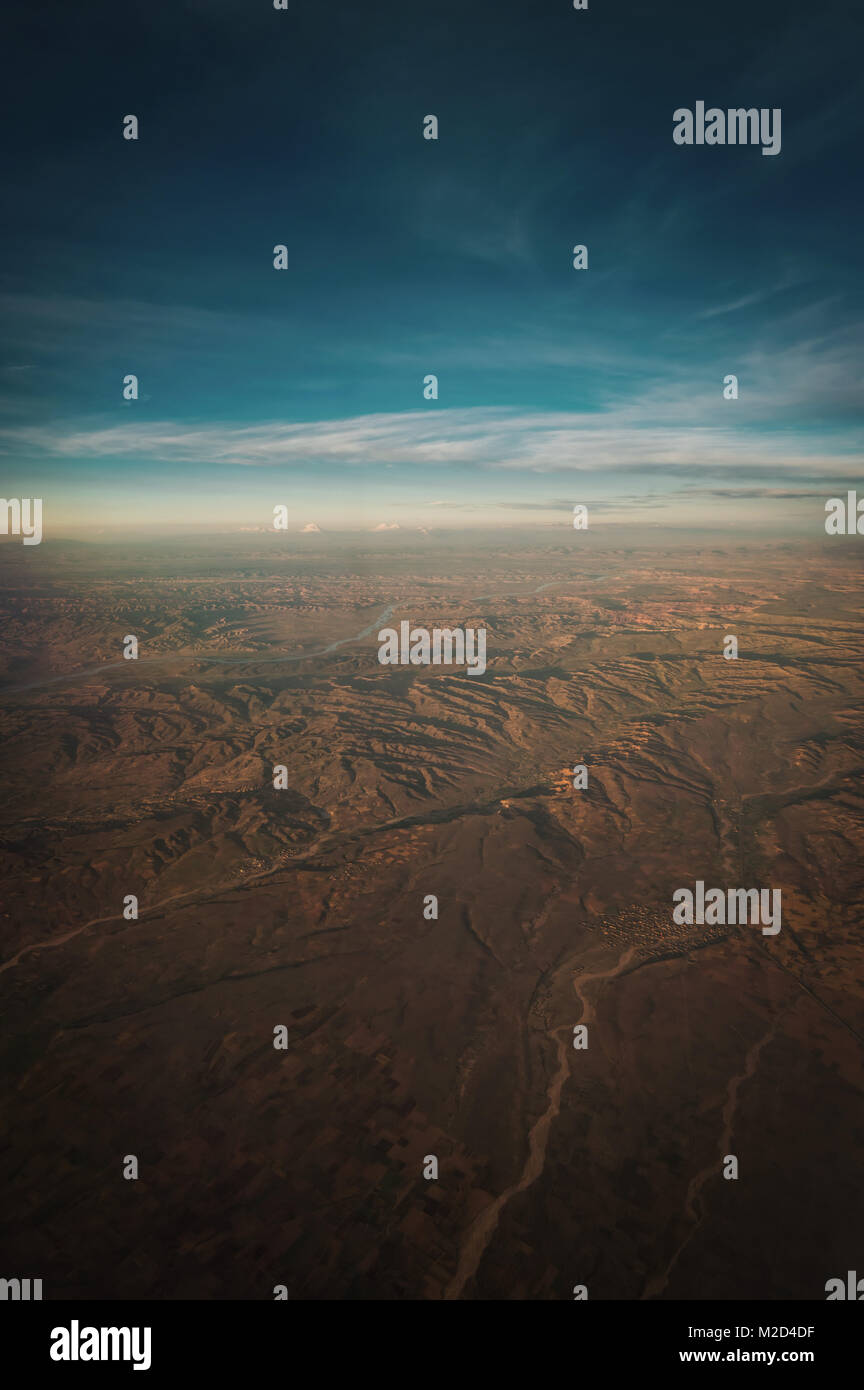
[621, 439]
[746, 301]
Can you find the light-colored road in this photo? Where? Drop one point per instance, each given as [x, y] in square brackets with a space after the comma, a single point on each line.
[253, 659]
[481, 1231]
[693, 1208]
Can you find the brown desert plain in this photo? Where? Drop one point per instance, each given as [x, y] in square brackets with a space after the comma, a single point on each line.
[411, 1036]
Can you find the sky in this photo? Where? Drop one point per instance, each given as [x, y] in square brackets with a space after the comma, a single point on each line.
[304, 387]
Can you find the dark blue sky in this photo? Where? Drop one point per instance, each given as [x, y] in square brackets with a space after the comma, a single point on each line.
[409, 257]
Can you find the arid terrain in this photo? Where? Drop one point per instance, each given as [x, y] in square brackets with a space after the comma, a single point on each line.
[409, 1035]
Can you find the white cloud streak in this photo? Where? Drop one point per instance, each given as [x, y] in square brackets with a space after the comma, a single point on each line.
[625, 438]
